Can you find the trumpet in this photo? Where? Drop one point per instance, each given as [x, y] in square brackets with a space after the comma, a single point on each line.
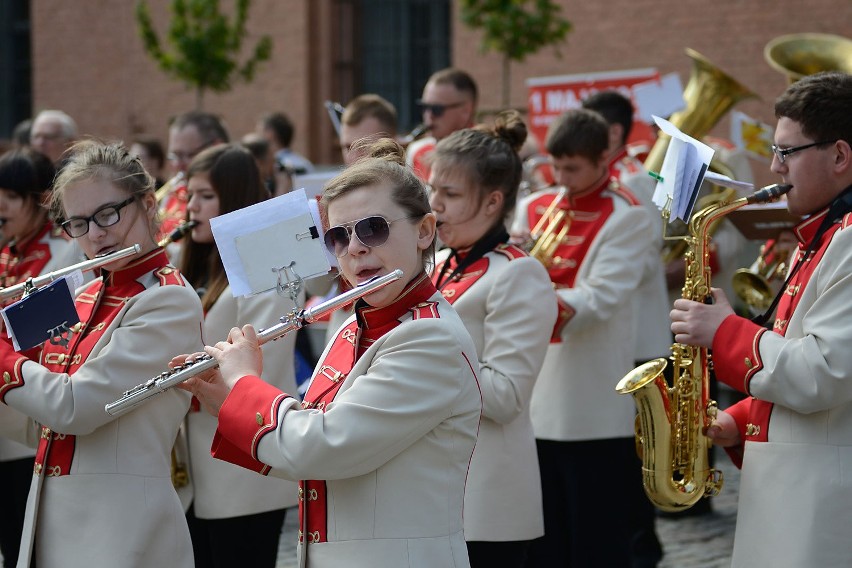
[548, 233]
[290, 322]
[753, 286]
[30, 284]
[164, 190]
[178, 233]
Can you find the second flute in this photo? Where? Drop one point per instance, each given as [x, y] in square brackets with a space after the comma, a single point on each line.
[290, 322]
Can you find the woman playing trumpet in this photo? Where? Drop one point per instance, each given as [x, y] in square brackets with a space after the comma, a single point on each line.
[236, 516]
[101, 492]
[384, 436]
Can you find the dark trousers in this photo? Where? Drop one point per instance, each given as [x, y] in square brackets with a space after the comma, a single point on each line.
[251, 540]
[17, 476]
[506, 554]
[587, 488]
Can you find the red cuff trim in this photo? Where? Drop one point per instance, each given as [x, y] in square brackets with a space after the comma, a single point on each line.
[11, 362]
[564, 313]
[740, 413]
[736, 357]
[249, 413]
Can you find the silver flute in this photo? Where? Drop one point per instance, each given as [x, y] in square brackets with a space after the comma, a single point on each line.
[290, 322]
[38, 281]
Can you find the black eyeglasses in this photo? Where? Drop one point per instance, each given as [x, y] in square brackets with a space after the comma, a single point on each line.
[106, 216]
[371, 232]
[437, 109]
[782, 153]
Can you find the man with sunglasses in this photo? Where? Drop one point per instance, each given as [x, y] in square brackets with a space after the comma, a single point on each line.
[189, 134]
[792, 436]
[448, 104]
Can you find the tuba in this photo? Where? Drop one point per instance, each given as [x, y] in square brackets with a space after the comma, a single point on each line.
[671, 421]
[709, 94]
[798, 55]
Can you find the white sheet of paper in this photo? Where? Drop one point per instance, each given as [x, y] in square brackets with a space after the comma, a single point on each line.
[725, 181]
[313, 182]
[309, 254]
[660, 98]
[683, 170]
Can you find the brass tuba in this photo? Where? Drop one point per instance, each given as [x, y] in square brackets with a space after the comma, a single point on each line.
[709, 94]
[671, 421]
[798, 55]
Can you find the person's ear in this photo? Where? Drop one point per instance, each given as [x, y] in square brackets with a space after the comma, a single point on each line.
[494, 202]
[426, 231]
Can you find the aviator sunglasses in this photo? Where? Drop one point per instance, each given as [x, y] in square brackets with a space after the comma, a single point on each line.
[371, 231]
[437, 109]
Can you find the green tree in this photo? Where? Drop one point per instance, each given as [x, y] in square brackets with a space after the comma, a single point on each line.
[515, 29]
[204, 45]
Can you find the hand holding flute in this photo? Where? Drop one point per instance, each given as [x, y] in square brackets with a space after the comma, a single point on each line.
[237, 357]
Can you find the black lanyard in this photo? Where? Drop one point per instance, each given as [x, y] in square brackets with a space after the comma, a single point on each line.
[482, 247]
[841, 205]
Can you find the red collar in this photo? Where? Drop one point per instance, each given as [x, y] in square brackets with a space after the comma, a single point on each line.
[20, 248]
[806, 230]
[617, 156]
[143, 265]
[418, 290]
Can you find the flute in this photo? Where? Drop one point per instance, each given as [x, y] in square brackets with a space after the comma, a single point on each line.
[38, 281]
[291, 322]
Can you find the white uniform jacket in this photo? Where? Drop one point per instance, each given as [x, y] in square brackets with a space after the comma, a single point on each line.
[795, 505]
[102, 494]
[392, 447]
[222, 490]
[48, 251]
[506, 302]
[653, 338]
[574, 398]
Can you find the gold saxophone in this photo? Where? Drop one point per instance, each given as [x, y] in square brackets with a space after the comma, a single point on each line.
[671, 421]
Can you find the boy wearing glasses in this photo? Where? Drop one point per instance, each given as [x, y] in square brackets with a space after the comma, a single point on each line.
[448, 104]
[189, 134]
[793, 436]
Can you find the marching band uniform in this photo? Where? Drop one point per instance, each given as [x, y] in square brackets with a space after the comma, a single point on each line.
[46, 251]
[384, 438]
[795, 496]
[502, 500]
[101, 491]
[221, 490]
[652, 322]
[173, 208]
[417, 156]
[577, 417]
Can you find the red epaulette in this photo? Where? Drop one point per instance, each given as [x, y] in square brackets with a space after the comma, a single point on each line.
[510, 251]
[425, 310]
[624, 193]
[169, 275]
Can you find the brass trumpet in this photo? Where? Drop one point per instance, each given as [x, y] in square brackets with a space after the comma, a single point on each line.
[753, 286]
[164, 190]
[548, 233]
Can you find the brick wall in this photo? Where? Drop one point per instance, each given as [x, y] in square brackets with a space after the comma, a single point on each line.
[88, 59]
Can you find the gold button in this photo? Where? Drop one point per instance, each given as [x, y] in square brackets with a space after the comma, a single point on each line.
[259, 419]
[37, 468]
[45, 432]
[748, 363]
[166, 271]
[7, 378]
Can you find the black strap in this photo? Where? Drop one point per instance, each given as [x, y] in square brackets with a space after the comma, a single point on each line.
[841, 205]
[482, 247]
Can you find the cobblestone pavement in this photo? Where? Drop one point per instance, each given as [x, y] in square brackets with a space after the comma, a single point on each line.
[688, 542]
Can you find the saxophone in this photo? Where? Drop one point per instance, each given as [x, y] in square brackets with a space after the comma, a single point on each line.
[671, 421]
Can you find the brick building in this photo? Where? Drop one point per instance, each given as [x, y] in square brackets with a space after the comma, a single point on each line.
[86, 57]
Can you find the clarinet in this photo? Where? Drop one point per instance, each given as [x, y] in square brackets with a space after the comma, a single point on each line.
[290, 322]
